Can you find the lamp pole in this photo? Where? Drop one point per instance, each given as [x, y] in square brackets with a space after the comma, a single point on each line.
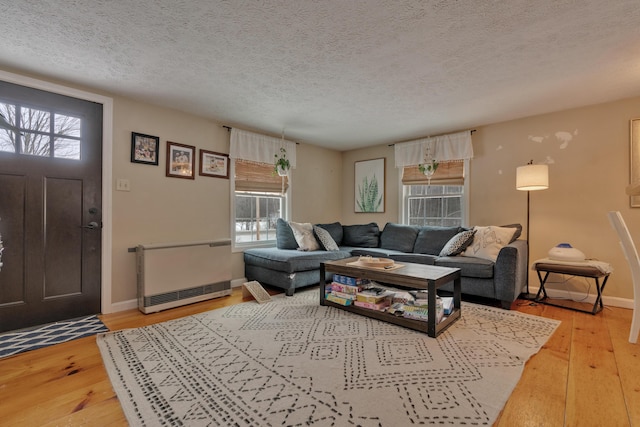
[531, 178]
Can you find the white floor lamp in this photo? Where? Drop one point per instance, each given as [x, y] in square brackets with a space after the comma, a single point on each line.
[531, 178]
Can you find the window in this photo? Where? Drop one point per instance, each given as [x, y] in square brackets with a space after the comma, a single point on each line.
[260, 198]
[440, 202]
[39, 132]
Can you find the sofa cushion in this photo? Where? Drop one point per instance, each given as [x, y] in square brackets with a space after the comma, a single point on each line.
[398, 237]
[284, 235]
[458, 243]
[303, 232]
[431, 239]
[469, 267]
[290, 260]
[487, 241]
[324, 238]
[362, 236]
[335, 229]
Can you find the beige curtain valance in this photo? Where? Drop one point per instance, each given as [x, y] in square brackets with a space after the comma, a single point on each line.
[259, 148]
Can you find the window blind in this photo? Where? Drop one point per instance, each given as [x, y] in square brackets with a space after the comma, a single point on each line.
[448, 173]
[259, 177]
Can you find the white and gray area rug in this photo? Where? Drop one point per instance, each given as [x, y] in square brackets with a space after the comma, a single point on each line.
[292, 362]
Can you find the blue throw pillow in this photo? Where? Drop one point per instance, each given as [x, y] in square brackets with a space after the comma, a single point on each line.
[284, 235]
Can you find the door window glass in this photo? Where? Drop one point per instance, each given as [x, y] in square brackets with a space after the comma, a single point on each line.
[37, 132]
[8, 121]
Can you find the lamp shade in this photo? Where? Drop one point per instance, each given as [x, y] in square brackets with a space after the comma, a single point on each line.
[532, 177]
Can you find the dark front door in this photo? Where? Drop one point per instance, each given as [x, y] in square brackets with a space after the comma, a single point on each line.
[50, 207]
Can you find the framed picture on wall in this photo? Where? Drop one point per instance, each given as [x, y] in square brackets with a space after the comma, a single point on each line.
[144, 148]
[180, 160]
[369, 185]
[214, 164]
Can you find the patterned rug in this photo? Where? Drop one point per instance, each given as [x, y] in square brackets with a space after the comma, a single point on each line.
[293, 362]
[55, 333]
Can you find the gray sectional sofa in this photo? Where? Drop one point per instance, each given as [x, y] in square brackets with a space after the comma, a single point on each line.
[289, 268]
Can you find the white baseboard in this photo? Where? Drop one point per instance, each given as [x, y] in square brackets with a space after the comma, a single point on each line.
[236, 283]
[124, 305]
[579, 296]
[131, 304]
[553, 293]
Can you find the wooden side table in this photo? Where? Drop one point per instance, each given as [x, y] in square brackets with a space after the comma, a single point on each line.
[573, 270]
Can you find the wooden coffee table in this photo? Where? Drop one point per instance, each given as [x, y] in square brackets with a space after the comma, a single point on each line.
[409, 277]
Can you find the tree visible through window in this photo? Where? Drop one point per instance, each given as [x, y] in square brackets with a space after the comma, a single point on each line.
[439, 205]
[38, 132]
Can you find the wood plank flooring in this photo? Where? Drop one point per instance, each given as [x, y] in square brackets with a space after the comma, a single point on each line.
[587, 374]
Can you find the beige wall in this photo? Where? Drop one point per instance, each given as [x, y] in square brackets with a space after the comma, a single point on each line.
[588, 175]
[587, 150]
[159, 209]
[391, 212]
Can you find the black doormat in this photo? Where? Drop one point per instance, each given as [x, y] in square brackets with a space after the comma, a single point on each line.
[55, 333]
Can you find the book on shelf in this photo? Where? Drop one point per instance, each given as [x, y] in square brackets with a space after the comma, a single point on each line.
[373, 306]
[347, 289]
[363, 297]
[344, 295]
[351, 281]
[338, 300]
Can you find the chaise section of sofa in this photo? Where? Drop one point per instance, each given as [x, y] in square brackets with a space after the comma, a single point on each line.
[289, 268]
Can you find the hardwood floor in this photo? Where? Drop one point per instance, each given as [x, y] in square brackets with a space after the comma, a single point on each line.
[587, 374]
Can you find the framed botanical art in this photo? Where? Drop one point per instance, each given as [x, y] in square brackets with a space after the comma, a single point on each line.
[144, 148]
[180, 160]
[369, 185]
[214, 164]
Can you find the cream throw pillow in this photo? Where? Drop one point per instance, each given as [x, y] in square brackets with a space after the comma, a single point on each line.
[487, 242]
[303, 232]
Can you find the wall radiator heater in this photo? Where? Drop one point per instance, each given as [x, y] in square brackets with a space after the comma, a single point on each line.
[170, 275]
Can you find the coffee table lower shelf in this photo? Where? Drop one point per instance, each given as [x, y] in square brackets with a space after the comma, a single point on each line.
[409, 277]
[416, 325]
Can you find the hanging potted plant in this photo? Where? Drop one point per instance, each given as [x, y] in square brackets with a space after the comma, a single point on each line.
[430, 164]
[282, 165]
[428, 169]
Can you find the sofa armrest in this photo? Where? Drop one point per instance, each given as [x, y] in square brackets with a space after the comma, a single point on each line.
[510, 273]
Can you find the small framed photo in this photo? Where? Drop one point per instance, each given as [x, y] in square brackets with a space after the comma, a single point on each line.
[180, 160]
[214, 164]
[144, 148]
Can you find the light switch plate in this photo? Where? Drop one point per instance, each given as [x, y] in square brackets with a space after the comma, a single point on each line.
[123, 185]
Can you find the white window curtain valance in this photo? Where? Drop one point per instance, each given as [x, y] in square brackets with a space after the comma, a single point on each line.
[454, 147]
[259, 148]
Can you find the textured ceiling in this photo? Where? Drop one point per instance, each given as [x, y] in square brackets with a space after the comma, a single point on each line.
[338, 73]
